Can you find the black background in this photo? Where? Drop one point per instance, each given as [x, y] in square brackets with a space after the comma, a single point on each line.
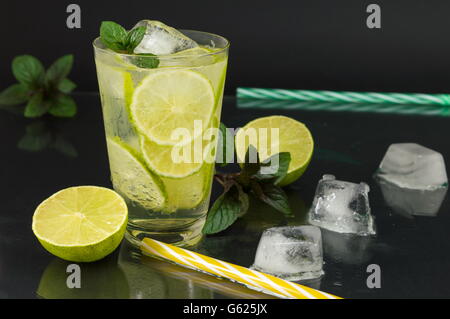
[304, 44]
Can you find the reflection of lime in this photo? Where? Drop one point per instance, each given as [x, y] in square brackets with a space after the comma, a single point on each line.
[81, 224]
[294, 137]
[131, 178]
[169, 100]
[103, 279]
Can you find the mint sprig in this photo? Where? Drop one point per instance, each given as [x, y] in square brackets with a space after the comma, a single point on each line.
[254, 179]
[42, 91]
[116, 38]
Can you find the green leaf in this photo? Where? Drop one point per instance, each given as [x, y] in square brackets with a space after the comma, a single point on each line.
[13, 95]
[244, 200]
[36, 106]
[223, 213]
[145, 60]
[272, 195]
[224, 145]
[252, 163]
[59, 69]
[28, 70]
[66, 86]
[274, 173]
[63, 106]
[134, 37]
[113, 35]
[250, 167]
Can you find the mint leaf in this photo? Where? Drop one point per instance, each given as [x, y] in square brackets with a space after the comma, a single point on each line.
[225, 144]
[276, 172]
[66, 86]
[250, 167]
[36, 106]
[272, 195]
[252, 163]
[29, 71]
[223, 213]
[13, 95]
[134, 37]
[59, 69]
[113, 35]
[146, 60]
[63, 106]
[243, 199]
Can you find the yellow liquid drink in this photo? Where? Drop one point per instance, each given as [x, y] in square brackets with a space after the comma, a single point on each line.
[159, 125]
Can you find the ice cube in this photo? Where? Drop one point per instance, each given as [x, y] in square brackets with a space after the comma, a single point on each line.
[161, 39]
[342, 207]
[409, 202]
[290, 252]
[413, 166]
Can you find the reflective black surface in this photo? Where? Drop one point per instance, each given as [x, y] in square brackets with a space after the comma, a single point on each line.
[40, 157]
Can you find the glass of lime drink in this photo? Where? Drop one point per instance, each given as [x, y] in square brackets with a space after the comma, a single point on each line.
[161, 127]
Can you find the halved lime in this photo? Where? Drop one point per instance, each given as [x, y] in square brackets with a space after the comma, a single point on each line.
[81, 224]
[172, 99]
[294, 137]
[132, 179]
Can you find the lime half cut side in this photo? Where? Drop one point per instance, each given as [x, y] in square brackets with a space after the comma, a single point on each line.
[81, 224]
[293, 137]
[170, 100]
[132, 179]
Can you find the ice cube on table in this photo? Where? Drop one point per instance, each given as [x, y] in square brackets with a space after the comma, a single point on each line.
[160, 39]
[413, 166]
[290, 252]
[342, 207]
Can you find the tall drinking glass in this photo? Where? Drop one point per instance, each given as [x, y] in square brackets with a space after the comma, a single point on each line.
[161, 118]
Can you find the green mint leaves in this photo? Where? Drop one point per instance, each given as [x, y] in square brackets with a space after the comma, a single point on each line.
[256, 178]
[42, 91]
[116, 38]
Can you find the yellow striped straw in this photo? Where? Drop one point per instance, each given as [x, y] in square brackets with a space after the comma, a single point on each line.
[251, 278]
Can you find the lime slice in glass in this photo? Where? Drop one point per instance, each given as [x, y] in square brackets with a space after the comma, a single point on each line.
[132, 179]
[177, 161]
[172, 99]
[81, 224]
[294, 137]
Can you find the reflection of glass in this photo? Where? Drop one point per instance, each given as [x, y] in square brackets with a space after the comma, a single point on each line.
[152, 278]
[102, 279]
[143, 110]
[41, 135]
[408, 202]
[148, 282]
